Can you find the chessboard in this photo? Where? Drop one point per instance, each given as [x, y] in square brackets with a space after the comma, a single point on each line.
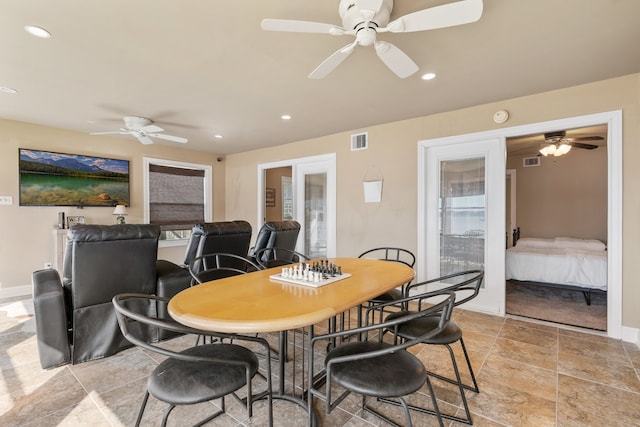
[315, 274]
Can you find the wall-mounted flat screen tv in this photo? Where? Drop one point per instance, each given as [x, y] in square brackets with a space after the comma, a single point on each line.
[58, 179]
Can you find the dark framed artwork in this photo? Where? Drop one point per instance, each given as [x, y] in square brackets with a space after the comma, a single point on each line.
[270, 198]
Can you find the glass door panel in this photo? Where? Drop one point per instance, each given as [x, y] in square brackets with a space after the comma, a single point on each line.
[461, 215]
[315, 214]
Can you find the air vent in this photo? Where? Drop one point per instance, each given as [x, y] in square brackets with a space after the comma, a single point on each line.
[529, 162]
[359, 141]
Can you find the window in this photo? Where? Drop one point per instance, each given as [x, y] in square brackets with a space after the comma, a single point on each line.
[287, 199]
[177, 196]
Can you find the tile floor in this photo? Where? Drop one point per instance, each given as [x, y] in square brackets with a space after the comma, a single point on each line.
[529, 374]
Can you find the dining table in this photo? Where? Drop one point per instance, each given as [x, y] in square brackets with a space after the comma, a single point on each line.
[264, 301]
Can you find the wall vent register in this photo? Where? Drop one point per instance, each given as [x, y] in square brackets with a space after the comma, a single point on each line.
[529, 162]
[359, 141]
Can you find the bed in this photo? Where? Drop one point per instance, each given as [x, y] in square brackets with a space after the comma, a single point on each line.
[564, 262]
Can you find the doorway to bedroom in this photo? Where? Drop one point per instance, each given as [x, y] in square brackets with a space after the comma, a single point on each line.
[557, 208]
[495, 190]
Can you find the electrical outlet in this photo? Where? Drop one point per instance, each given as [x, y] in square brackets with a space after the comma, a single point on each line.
[47, 265]
[6, 200]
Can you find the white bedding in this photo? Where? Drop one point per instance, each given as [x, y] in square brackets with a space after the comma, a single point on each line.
[555, 261]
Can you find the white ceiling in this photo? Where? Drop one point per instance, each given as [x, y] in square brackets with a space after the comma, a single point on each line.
[199, 68]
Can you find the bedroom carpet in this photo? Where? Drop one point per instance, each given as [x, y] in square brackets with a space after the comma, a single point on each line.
[557, 305]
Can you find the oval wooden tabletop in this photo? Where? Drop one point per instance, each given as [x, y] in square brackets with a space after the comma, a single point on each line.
[254, 302]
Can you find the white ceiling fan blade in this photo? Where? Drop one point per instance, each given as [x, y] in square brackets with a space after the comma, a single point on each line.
[369, 8]
[332, 62]
[446, 15]
[168, 137]
[152, 128]
[144, 139]
[395, 59]
[107, 133]
[292, 26]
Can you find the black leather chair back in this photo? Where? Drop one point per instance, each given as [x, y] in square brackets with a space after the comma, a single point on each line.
[232, 237]
[102, 261]
[281, 234]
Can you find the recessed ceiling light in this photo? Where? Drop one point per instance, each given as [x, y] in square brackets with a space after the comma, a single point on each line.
[37, 31]
[285, 117]
[5, 89]
[217, 136]
[428, 76]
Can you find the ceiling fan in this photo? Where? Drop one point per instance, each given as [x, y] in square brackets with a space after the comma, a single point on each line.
[364, 19]
[557, 143]
[143, 129]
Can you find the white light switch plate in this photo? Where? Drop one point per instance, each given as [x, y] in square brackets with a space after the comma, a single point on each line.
[6, 200]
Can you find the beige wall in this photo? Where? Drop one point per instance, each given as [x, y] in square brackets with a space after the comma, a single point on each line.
[393, 150]
[564, 196]
[26, 240]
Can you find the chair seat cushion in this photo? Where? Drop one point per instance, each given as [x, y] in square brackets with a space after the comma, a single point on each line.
[416, 327]
[392, 295]
[390, 375]
[181, 382]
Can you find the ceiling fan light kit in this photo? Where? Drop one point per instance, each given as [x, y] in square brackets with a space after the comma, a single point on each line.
[555, 149]
[558, 144]
[365, 19]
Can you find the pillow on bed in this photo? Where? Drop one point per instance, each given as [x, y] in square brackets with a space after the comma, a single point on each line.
[583, 244]
[535, 242]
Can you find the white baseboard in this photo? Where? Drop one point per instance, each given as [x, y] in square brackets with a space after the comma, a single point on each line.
[15, 291]
[631, 335]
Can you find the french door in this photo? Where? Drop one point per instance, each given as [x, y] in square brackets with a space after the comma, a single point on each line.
[314, 202]
[463, 215]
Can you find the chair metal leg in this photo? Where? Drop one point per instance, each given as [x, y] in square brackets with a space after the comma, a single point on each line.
[458, 382]
[141, 411]
[166, 415]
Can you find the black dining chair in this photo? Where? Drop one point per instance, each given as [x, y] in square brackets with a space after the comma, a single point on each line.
[278, 257]
[393, 254]
[198, 374]
[466, 285]
[216, 266]
[375, 368]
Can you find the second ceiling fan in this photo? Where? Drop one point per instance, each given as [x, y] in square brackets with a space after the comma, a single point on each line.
[364, 19]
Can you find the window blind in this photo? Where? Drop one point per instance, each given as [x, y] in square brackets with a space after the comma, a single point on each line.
[176, 197]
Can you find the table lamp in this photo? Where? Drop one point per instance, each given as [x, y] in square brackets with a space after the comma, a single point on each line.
[121, 211]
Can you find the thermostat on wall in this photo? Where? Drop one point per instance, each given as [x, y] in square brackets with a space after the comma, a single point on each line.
[500, 116]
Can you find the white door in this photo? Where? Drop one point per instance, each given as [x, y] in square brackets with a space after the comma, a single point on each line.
[314, 201]
[314, 189]
[463, 225]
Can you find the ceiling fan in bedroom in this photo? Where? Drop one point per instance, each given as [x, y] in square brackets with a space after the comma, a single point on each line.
[365, 19]
[143, 129]
[557, 143]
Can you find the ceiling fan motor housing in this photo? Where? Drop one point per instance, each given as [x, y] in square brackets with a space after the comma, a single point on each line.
[351, 14]
[136, 123]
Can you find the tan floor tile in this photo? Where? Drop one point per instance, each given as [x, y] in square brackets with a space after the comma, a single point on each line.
[611, 372]
[588, 346]
[509, 406]
[584, 402]
[479, 322]
[525, 334]
[114, 371]
[518, 376]
[74, 416]
[60, 392]
[523, 352]
[530, 324]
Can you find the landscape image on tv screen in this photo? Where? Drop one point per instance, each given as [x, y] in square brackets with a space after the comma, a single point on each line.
[57, 179]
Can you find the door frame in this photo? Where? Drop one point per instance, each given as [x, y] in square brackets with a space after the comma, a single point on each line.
[489, 151]
[330, 161]
[613, 120]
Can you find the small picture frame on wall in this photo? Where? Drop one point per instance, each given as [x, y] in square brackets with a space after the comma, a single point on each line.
[73, 220]
[270, 198]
